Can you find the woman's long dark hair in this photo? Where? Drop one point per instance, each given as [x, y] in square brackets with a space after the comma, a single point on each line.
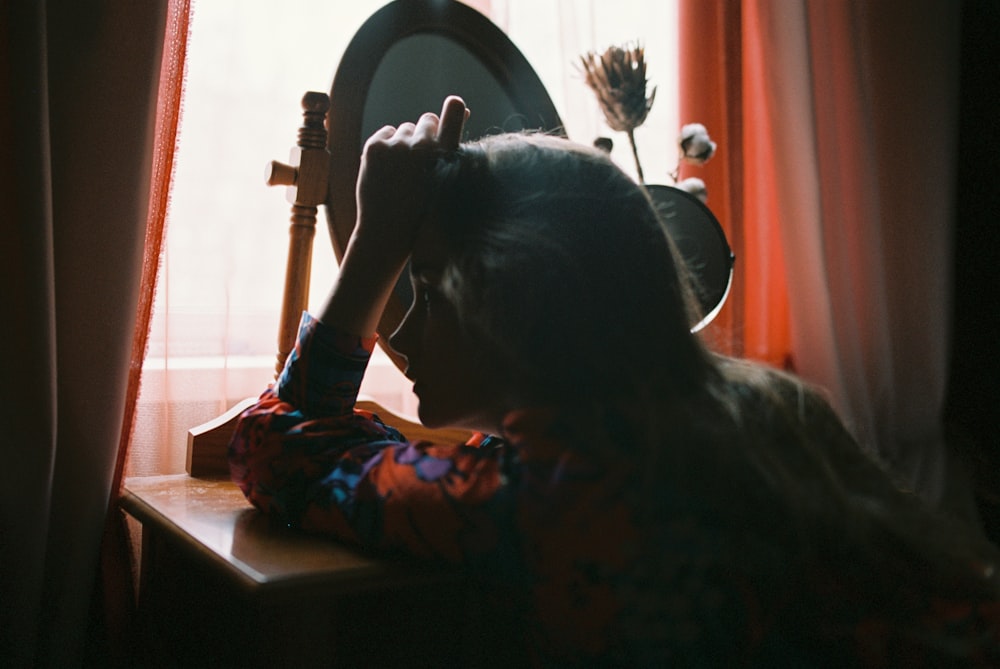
[549, 242]
[560, 266]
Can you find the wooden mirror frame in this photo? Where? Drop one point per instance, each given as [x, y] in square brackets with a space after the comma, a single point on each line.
[387, 27]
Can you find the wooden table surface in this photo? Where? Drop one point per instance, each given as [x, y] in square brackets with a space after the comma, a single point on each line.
[213, 519]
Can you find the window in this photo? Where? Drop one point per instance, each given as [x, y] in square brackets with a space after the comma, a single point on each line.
[213, 337]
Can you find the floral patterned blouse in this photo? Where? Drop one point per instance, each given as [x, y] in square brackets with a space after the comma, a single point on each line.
[598, 585]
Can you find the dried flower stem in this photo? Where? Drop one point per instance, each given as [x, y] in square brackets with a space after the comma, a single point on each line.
[635, 155]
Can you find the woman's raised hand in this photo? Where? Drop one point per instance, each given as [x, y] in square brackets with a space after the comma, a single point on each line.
[394, 179]
[393, 185]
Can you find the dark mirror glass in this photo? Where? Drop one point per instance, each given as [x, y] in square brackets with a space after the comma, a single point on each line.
[415, 75]
[702, 245]
[418, 72]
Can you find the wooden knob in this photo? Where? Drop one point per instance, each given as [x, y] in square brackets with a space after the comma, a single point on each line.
[315, 102]
[280, 174]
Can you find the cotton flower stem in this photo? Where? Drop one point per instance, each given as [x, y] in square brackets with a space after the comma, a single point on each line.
[635, 154]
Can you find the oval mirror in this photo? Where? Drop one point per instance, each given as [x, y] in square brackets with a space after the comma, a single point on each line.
[702, 244]
[404, 60]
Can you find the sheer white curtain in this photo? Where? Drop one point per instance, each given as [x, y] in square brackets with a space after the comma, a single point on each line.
[863, 98]
[215, 319]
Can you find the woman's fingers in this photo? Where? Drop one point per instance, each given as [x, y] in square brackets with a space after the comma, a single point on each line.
[387, 135]
[382, 134]
[426, 130]
[442, 132]
[449, 129]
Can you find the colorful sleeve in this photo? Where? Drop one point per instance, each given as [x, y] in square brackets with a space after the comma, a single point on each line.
[304, 454]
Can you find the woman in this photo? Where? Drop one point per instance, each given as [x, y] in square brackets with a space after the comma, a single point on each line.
[653, 503]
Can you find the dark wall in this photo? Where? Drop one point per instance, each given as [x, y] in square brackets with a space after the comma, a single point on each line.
[974, 388]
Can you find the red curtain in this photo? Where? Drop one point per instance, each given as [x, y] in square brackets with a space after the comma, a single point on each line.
[720, 86]
[168, 108]
[834, 178]
[115, 587]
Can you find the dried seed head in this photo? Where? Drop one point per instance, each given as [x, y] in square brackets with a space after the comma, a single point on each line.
[618, 79]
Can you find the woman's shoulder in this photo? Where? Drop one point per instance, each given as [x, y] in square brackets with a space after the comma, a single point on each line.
[770, 396]
[758, 375]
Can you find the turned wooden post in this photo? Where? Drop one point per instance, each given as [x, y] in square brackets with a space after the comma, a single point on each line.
[306, 177]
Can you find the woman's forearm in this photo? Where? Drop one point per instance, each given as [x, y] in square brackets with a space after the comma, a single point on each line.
[368, 273]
